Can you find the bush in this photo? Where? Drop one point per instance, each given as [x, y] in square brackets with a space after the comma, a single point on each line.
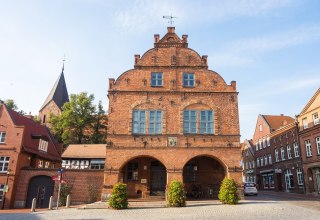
[65, 191]
[176, 195]
[228, 192]
[119, 197]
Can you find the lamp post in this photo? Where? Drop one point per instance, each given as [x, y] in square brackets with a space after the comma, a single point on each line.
[5, 189]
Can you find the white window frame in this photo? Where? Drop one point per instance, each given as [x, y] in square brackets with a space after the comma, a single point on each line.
[46, 164]
[265, 160]
[4, 161]
[318, 145]
[268, 141]
[260, 144]
[289, 152]
[276, 154]
[258, 162]
[305, 123]
[296, 149]
[260, 127]
[261, 161]
[43, 145]
[257, 146]
[264, 143]
[1, 192]
[308, 148]
[40, 164]
[299, 176]
[3, 135]
[282, 153]
[270, 159]
[315, 117]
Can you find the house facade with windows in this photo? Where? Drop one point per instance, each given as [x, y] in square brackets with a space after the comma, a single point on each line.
[23, 144]
[277, 154]
[248, 161]
[309, 133]
[171, 118]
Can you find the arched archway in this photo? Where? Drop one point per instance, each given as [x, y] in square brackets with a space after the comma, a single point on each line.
[145, 176]
[202, 176]
[41, 188]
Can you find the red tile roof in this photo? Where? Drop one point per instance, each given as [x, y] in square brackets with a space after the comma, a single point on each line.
[277, 121]
[33, 129]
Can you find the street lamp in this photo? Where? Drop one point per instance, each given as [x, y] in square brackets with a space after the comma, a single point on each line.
[5, 189]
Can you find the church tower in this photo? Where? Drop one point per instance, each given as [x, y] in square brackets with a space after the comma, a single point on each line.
[55, 100]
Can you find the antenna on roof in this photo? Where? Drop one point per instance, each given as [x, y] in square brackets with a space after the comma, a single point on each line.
[170, 18]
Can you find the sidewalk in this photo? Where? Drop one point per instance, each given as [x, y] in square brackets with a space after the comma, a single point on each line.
[290, 195]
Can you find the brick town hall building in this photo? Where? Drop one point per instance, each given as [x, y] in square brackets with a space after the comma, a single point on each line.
[171, 118]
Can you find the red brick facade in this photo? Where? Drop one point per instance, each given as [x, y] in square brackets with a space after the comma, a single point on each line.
[80, 180]
[134, 91]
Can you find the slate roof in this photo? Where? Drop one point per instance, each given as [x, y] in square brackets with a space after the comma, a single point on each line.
[85, 151]
[58, 93]
[277, 121]
[32, 132]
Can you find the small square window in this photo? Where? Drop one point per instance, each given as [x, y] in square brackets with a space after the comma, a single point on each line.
[188, 79]
[156, 79]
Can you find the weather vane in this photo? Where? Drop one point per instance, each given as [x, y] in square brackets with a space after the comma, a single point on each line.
[170, 18]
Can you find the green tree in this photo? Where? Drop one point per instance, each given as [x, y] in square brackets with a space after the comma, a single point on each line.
[74, 123]
[11, 104]
[99, 126]
[228, 192]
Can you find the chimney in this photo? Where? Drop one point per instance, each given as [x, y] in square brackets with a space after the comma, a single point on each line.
[171, 30]
[185, 38]
[234, 85]
[136, 58]
[156, 38]
[281, 114]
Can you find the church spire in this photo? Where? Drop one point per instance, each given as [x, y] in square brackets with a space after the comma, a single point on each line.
[59, 93]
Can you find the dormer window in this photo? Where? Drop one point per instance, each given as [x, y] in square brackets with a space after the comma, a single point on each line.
[43, 145]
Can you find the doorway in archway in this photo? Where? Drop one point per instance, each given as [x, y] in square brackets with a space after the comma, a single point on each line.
[202, 176]
[144, 176]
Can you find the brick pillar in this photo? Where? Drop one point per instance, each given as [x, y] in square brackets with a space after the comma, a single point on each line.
[237, 176]
[174, 175]
[111, 177]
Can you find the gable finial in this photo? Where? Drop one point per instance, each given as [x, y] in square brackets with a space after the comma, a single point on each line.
[170, 18]
[64, 59]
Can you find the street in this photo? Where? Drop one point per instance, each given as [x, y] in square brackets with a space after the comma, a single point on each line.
[264, 206]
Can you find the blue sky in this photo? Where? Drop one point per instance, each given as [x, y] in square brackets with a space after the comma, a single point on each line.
[270, 47]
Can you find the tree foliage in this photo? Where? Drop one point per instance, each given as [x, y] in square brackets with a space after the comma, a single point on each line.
[11, 104]
[79, 122]
[228, 192]
[176, 194]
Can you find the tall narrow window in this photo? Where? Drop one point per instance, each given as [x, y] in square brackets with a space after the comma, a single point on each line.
[268, 141]
[265, 160]
[155, 122]
[139, 122]
[190, 122]
[261, 161]
[299, 176]
[276, 154]
[296, 149]
[289, 152]
[305, 123]
[1, 192]
[156, 79]
[258, 162]
[315, 118]
[206, 122]
[2, 137]
[132, 171]
[270, 159]
[260, 144]
[4, 163]
[264, 143]
[282, 153]
[43, 145]
[308, 148]
[257, 146]
[188, 79]
[318, 145]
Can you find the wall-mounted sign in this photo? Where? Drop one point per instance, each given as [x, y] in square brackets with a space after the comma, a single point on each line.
[143, 180]
[172, 141]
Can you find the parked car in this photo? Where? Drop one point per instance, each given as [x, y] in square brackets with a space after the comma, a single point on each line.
[250, 189]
